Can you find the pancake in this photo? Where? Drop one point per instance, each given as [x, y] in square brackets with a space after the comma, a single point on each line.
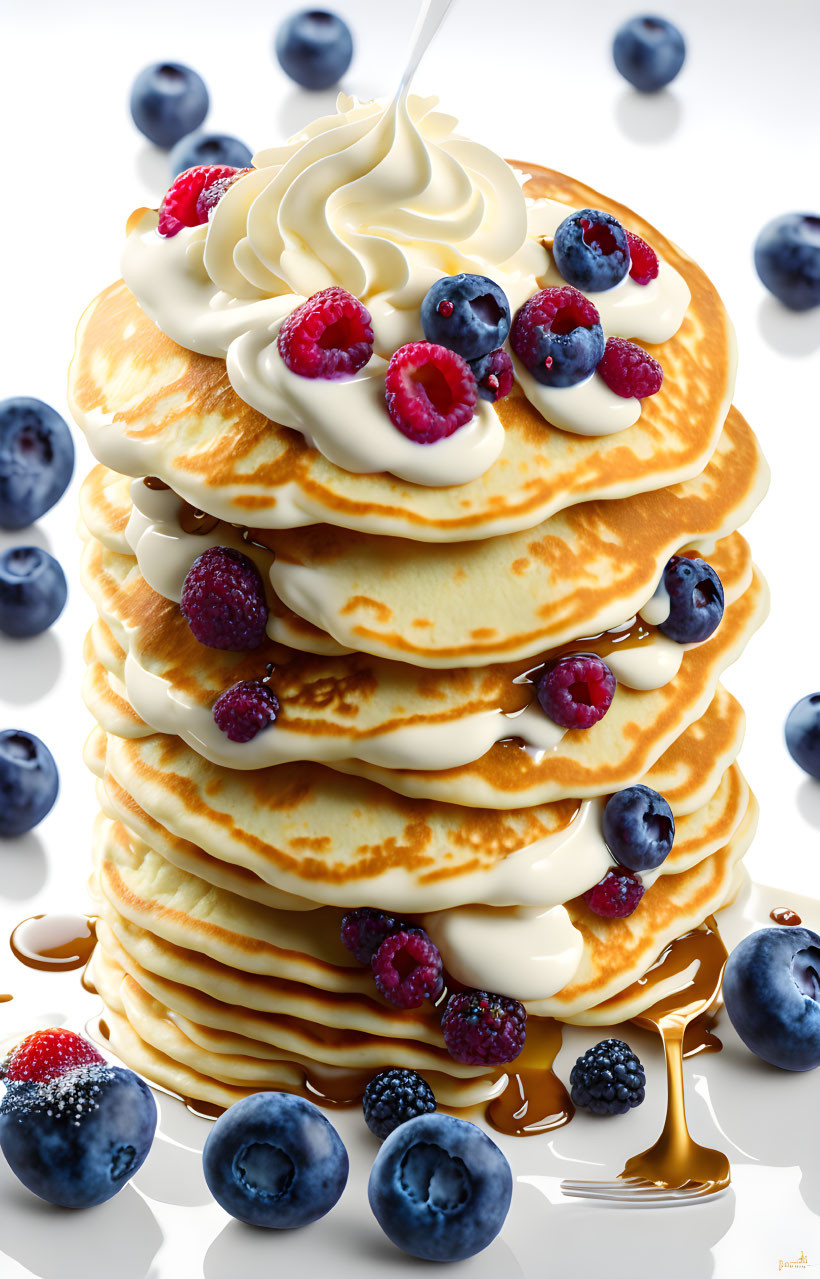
[150, 407]
[352, 711]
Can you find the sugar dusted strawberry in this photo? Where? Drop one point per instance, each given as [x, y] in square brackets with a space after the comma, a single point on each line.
[46, 1054]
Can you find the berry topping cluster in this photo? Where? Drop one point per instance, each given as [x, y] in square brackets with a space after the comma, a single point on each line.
[639, 830]
[73, 1129]
[608, 1079]
[406, 965]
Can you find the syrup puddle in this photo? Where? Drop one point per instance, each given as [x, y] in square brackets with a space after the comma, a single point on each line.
[54, 943]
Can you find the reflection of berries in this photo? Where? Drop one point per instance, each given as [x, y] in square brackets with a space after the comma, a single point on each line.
[629, 370]
[364, 930]
[643, 265]
[407, 968]
[245, 709]
[394, 1096]
[608, 1079]
[430, 391]
[181, 203]
[616, 896]
[49, 1053]
[328, 336]
[223, 600]
[577, 690]
[483, 1029]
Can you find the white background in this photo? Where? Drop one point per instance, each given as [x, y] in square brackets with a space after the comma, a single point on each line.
[733, 142]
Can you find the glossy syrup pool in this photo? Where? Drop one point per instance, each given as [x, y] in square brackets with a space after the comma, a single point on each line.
[54, 943]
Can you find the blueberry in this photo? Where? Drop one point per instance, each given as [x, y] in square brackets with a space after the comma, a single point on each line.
[209, 148]
[469, 314]
[314, 48]
[771, 989]
[649, 52]
[557, 335]
[28, 782]
[639, 828]
[274, 1160]
[76, 1140]
[168, 101]
[32, 591]
[787, 259]
[440, 1188]
[695, 600]
[803, 734]
[590, 250]
[36, 460]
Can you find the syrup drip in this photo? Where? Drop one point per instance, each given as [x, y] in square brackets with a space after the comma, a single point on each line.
[4, 999]
[694, 965]
[786, 916]
[196, 522]
[54, 943]
[698, 1037]
[534, 1100]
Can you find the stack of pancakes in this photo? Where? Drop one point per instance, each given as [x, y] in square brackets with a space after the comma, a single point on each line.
[404, 772]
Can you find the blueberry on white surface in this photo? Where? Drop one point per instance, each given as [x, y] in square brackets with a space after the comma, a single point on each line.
[771, 989]
[639, 828]
[440, 1188]
[803, 734]
[787, 259]
[695, 600]
[28, 782]
[469, 314]
[77, 1139]
[314, 47]
[649, 52]
[168, 101]
[274, 1160]
[32, 591]
[36, 460]
[209, 149]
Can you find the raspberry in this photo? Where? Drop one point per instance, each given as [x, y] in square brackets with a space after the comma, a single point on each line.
[628, 369]
[48, 1054]
[430, 391]
[557, 335]
[608, 1079]
[643, 259]
[394, 1096]
[181, 203]
[577, 690]
[210, 195]
[245, 709]
[223, 600]
[364, 930]
[616, 896]
[328, 336]
[482, 1029]
[494, 375]
[407, 968]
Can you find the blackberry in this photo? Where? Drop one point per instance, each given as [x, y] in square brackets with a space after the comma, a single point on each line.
[608, 1079]
[394, 1096]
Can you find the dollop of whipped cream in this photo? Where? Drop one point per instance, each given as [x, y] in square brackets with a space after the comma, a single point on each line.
[382, 200]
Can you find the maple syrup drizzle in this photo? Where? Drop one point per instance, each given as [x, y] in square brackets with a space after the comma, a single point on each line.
[54, 943]
[697, 961]
[786, 916]
[534, 1099]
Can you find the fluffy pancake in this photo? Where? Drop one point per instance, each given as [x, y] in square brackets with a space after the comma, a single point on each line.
[152, 407]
